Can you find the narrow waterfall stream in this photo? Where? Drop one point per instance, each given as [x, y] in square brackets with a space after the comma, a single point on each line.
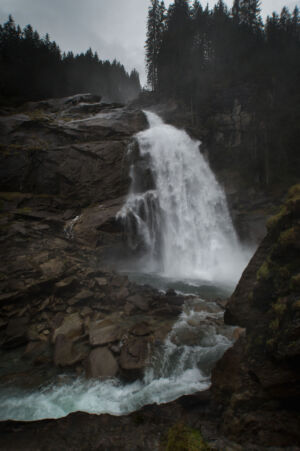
[181, 235]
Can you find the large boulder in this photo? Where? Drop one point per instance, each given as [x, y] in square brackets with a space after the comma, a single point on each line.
[101, 335]
[65, 353]
[134, 356]
[101, 364]
[71, 327]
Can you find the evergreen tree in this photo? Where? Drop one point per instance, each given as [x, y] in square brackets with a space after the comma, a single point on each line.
[250, 14]
[32, 68]
[155, 27]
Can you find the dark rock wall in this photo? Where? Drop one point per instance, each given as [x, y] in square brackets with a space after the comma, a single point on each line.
[257, 382]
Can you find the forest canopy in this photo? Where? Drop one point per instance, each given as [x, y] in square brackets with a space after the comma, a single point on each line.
[210, 59]
[33, 68]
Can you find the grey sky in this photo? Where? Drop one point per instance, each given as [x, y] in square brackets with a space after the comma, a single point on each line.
[115, 28]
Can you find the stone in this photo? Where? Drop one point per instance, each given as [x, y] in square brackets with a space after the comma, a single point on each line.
[101, 281]
[16, 333]
[128, 309]
[65, 353]
[71, 327]
[121, 294]
[101, 364]
[139, 302]
[65, 284]
[85, 311]
[238, 332]
[82, 296]
[141, 329]
[134, 354]
[53, 268]
[101, 335]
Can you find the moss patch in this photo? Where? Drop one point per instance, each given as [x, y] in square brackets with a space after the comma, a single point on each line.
[280, 307]
[183, 438]
[10, 196]
[264, 271]
[289, 237]
[24, 211]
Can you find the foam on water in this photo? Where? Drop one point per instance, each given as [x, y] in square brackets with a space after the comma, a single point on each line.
[176, 370]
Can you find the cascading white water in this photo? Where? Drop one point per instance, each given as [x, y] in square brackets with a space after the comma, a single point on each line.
[176, 211]
[177, 369]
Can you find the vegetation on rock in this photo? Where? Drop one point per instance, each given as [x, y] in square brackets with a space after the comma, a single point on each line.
[266, 302]
[184, 438]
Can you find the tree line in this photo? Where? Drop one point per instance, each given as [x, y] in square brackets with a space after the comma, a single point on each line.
[208, 58]
[33, 68]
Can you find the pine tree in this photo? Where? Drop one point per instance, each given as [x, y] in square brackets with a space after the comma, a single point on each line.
[155, 26]
[250, 14]
[236, 11]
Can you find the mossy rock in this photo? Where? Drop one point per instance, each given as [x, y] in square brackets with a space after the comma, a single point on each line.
[290, 206]
[275, 220]
[289, 237]
[184, 438]
[10, 196]
[264, 272]
[279, 307]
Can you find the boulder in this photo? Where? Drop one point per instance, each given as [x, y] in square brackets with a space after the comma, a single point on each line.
[101, 335]
[141, 329]
[101, 364]
[65, 354]
[134, 354]
[71, 327]
[139, 301]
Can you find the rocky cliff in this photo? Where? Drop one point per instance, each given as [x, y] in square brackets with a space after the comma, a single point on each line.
[258, 381]
[63, 178]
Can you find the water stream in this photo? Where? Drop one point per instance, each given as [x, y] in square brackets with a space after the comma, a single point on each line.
[180, 233]
[181, 365]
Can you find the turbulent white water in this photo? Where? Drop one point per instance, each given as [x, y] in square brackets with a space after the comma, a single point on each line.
[177, 369]
[176, 211]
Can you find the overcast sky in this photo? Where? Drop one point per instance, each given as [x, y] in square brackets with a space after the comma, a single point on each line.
[115, 28]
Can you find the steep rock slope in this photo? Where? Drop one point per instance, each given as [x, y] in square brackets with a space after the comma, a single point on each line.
[257, 382]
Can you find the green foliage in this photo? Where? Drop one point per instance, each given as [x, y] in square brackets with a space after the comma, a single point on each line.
[183, 438]
[274, 325]
[10, 196]
[264, 271]
[209, 59]
[279, 307]
[275, 220]
[24, 210]
[289, 237]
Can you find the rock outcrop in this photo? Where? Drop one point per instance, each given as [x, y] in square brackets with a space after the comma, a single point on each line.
[63, 178]
[257, 382]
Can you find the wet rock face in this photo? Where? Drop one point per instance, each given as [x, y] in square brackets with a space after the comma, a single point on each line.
[62, 181]
[258, 381]
[52, 149]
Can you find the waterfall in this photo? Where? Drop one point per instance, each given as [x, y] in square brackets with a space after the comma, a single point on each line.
[176, 215]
